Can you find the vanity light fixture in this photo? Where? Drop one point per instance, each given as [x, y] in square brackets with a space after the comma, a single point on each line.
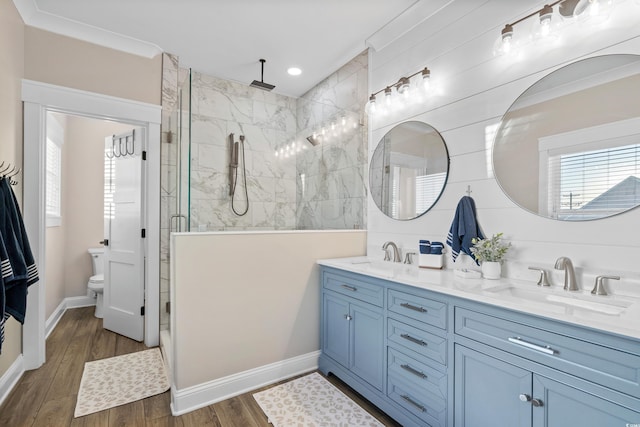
[398, 95]
[550, 22]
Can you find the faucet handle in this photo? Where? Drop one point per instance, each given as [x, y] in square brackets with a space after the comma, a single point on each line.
[599, 289]
[542, 281]
[386, 255]
[408, 257]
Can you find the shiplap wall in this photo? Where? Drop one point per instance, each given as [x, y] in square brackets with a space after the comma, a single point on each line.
[476, 89]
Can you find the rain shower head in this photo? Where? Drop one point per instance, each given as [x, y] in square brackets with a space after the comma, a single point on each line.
[261, 84]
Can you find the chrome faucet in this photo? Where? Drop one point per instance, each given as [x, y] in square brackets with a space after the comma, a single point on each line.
[396, 252]
[564, 263]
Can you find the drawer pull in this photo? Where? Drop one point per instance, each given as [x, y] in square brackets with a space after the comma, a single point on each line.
[523, 343]
[413, 340]
[536, 402]
[350, 288]
[417, 405]
[413, 307]
[413, 371]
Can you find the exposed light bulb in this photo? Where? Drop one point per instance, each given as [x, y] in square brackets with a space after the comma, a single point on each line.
[344, 120]
[546, 15]
[371, 108]
[426, 79]
[403, 85]
[276, 153]
[507, 38]
[387, 97]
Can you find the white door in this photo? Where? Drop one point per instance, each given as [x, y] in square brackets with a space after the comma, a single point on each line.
[124, 235]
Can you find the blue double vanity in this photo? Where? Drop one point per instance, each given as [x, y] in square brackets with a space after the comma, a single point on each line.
[431, 349]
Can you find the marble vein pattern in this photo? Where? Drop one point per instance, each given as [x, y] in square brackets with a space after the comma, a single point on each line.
[318, 187]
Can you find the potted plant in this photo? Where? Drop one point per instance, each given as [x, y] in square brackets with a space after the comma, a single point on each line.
[491, 253]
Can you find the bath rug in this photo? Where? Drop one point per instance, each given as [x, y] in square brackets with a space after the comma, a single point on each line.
[115, 381]
[311, 401]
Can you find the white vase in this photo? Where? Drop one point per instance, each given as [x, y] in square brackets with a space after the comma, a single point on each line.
[491, 270]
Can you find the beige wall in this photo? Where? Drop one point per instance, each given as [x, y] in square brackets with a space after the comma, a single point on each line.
[11, 71]
[67, 261]
[83, 196]
[63, 61]
[54, 277]
[245, 300]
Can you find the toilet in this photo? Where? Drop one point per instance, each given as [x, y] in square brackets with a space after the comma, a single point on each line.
[96, 282]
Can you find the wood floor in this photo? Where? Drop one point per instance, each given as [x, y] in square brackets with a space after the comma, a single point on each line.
[47, 396]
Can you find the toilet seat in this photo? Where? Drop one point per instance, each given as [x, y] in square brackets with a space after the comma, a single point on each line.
[96, 283]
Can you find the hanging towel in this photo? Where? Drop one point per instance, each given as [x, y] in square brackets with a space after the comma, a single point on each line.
[7, 274]
[464, 228]
[19, 254]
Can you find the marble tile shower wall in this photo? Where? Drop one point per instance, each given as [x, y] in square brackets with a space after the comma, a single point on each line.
[267, 120]
[331, 177]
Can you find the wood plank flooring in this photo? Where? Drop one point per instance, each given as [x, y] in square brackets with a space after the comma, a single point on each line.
[47, 396]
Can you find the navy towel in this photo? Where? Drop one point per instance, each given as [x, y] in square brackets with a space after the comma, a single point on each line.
[464, 228]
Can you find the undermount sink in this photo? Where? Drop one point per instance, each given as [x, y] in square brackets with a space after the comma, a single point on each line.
[553, 301]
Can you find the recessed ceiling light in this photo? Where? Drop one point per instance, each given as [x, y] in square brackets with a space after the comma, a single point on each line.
[294, 71]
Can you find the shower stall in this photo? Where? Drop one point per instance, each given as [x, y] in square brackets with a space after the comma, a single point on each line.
[236, 158]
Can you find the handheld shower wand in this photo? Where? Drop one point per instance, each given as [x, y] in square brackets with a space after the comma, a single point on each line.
[234, 162]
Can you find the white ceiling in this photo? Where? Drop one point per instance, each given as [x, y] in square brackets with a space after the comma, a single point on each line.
[226, 38]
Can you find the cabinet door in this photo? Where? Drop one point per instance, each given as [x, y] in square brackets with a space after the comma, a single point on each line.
[335, 339]
[367, 343]
[562, 405]
[487, 391]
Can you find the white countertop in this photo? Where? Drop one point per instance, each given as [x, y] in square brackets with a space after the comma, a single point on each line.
[611, 313]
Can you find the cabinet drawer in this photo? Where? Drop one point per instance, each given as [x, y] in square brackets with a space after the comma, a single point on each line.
[422, 309]
[418, 340]
[354, 288]
[421, 375]
[612, 368]
[426, 406]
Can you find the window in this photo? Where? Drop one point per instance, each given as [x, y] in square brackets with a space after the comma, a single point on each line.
[597, 182]
[53, 197]
[428, 189]
[109, 175]
[591, 173]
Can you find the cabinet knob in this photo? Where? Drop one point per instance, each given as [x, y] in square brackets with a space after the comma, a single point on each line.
[525, 398]
[348, 317]
[537, 403]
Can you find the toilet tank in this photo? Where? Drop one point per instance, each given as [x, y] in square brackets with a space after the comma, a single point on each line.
[97, 260]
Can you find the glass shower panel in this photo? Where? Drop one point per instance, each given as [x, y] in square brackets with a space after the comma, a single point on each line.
[182, 219]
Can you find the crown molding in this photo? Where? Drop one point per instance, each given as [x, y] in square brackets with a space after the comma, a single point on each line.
[34, 17]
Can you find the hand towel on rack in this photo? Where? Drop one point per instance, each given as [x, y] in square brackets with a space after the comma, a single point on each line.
[464, 228]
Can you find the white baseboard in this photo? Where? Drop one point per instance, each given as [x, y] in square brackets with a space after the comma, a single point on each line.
[10, 378]
[201, 395]
[70, 302]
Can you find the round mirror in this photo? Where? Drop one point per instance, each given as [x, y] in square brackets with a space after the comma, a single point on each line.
[569, 146]
[409, 170]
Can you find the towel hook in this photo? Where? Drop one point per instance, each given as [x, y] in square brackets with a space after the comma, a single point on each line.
[469, 191]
